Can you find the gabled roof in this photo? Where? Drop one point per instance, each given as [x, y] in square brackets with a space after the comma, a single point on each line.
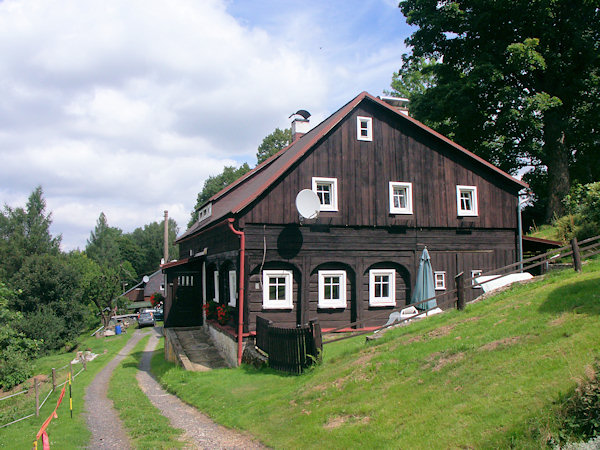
[142, 282]
[238, 195]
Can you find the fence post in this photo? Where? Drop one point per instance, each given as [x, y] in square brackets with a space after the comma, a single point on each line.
[37, 396]
[71, 369]
[460, 291]
[53, 378]
[576, 255]
[84, 364]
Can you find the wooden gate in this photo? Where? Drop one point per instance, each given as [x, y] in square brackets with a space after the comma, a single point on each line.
[289, 349]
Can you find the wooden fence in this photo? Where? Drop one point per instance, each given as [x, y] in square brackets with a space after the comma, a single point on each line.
[289, 349]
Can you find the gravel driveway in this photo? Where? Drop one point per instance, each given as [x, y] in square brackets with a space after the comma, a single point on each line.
[102, 419]
[199, 430]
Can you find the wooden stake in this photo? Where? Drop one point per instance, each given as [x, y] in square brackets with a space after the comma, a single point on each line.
[576, 255]
[460, 291]
[37, 397]
[53, 378]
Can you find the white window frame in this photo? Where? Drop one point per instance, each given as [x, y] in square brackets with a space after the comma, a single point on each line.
[390, 300]
[476, 273]
[216, 281]
[369, 128]
[439, 280]
[232, 288]
[474, 211]
[205, 212]
[334, 192]
[332, 303]
[288, 301]
[409, 203]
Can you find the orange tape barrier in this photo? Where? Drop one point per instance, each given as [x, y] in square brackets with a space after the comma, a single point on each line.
[53, 415]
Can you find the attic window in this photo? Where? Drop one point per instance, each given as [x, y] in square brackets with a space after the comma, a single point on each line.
[364, 128]
[326, 190]
[400, 198]
[205, 212]
[466, 200]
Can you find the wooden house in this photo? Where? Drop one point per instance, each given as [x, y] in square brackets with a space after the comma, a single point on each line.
[388, 186]
[141, 292]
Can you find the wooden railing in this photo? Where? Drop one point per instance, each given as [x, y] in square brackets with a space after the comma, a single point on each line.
[289, 349]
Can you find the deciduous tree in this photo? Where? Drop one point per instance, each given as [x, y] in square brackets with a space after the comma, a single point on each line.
[271, 144]
[511, 80]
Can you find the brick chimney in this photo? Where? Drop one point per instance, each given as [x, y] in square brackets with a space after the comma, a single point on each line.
[300, 124]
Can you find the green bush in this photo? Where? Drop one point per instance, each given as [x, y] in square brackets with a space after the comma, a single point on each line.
[581, 412]
[16, 350]
[583, 220]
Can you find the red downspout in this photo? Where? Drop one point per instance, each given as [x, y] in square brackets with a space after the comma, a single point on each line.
[241, 293]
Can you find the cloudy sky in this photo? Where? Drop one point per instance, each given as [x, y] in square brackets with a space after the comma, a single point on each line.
[127, 107]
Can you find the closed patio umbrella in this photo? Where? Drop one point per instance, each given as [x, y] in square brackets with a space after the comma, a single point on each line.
[424, 287]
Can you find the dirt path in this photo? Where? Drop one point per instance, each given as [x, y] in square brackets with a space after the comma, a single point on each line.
[199, 430]
[102, 419]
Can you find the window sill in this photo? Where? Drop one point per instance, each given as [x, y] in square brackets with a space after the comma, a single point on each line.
[379, 304]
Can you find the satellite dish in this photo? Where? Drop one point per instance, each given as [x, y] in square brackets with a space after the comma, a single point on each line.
[308, 204]
[146, 279]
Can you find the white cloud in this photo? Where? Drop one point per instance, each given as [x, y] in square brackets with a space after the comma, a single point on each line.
[127, 107]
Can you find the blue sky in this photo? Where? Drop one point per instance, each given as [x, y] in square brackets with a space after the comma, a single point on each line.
[127, 107]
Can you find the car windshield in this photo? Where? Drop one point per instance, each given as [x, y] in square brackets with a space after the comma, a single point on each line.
[145, 316]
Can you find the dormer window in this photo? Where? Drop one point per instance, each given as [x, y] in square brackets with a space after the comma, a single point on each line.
[205, 212]
[364, 128]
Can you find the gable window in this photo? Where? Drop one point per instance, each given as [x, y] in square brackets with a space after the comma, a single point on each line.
[364, 128]
[277, 289]
[216, 283]
[466, 200]
[382, 287]
[400, 198]
[326, 190]
[332, 289]
[232, 288]
[474, 274]
[439, 279]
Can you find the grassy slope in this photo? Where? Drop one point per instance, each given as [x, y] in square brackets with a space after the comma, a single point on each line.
[545, 232]
[145, 425]
[64, 432]
[485, 377]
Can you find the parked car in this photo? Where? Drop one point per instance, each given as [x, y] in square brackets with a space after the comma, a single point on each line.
[158, 314]
[146, 319]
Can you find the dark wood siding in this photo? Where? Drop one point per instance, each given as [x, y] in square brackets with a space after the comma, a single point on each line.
[398, 152]
[306, 249]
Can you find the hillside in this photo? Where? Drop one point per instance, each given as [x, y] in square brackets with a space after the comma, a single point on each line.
[486, 377]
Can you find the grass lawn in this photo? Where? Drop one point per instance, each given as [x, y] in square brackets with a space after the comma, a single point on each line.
[489, 376]
[545, 232]
[145, 425]
[64, 432]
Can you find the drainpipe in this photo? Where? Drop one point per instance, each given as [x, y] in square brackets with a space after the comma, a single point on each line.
[520, 225]
[241, 289]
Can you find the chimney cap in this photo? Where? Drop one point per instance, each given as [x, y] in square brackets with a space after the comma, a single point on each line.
[301, 112]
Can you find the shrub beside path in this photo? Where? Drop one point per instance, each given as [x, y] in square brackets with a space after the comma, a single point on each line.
[102, 419]
[199, 430]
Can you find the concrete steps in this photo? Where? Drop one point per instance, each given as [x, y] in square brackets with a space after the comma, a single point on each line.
[192, 349]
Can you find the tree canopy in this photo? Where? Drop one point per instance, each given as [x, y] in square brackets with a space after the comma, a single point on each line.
[25, 232]
[271, 144]
[514, 81]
